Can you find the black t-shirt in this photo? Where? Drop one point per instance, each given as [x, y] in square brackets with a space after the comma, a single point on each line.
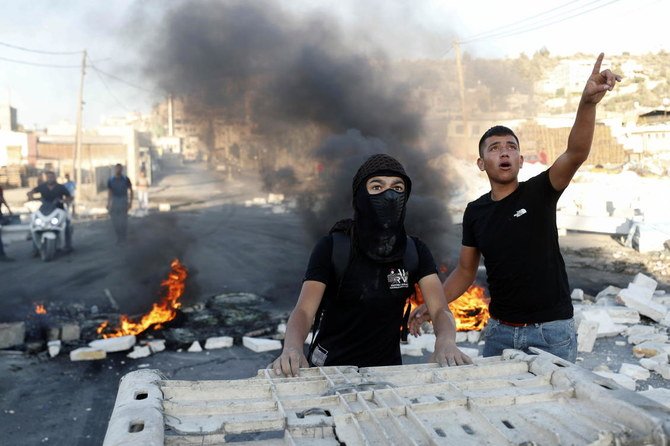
[519, 241]
[360, 326]
[49, 195]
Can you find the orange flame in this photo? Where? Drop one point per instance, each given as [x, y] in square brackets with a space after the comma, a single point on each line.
[470, 310]
[39, 309]
[161, 312]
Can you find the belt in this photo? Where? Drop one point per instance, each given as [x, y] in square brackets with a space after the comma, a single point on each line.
[514, 324]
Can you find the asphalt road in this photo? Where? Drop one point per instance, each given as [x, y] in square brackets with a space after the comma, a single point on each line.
[227, 247]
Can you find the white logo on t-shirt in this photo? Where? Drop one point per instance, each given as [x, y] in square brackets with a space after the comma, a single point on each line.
[520, 212]
[398, 279]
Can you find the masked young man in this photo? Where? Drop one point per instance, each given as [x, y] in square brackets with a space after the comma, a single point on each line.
[358, 308]
[514, 227]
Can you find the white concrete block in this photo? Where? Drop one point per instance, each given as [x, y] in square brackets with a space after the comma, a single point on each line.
[261, 345]
[139, 352]
[70, 332]
[610, 291]
[624, 381]
[623, 315]
[195, 347]
[156, 345]
[281, 328]
[655, 362]
[87, 354]
[425, 341]
[634, 371]
[648, 364]
[645, 306]
[164, 207]
[54, 347]
[471, 352]
[117, 344]
[640, 329]
[606, 327]
[12, 334]
[663, 370]
[660, 395]
[635, 291]
[411, 350]
[461, 336]
[587, 332]
[473, 336]
[218, 342]
[577, 294]
[649, 337]
[666, 320]
[645, 281]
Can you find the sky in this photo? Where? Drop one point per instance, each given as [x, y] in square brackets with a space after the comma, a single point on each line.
[403, 28]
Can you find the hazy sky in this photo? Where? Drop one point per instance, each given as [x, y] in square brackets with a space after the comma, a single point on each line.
[404, 28]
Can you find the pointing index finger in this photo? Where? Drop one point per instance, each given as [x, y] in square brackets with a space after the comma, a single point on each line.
[599, 61]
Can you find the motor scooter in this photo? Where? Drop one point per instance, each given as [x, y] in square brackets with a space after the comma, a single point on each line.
[48, 230]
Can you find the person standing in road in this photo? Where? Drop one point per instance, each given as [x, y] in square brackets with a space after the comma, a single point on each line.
[119, 202]
[514, 228]
[71, 186]
[143, 191]
[359, 278]
[3, 256]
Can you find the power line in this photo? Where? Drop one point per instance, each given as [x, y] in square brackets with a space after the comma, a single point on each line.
[513, 24]
[37, 64]
[123, 81]
[108, 89]
[548, 21]
[53, 53]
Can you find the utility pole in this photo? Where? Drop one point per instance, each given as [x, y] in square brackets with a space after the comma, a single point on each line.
[461, 82]
[78, 136]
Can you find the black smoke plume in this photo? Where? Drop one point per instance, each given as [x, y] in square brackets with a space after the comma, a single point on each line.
[300, 85]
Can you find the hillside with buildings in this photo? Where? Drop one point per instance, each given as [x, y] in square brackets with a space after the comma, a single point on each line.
[535, 95]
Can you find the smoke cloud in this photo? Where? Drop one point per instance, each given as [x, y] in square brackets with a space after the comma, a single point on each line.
[300, 85]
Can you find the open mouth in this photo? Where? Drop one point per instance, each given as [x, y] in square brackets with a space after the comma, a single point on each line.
[505, 165]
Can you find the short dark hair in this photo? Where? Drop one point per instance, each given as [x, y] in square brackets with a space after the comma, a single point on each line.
[496, 130]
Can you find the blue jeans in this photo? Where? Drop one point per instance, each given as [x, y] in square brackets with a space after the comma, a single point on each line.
[556, 337]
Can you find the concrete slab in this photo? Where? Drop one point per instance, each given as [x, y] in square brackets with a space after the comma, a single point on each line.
[139, 352]
[218, 342]
[12, 334]
[511, 399]
[117, 344]
[587, 332]
[87, 354]
[261, 345]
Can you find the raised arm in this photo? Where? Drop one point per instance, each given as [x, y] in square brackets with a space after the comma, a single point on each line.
[446, 352]
[292, 357]
[581, 135]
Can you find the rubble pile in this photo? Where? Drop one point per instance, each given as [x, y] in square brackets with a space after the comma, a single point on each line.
[641, 313]
[220, 322]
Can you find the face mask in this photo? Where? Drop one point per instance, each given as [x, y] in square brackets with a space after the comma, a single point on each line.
[379, 223]
[388, 208]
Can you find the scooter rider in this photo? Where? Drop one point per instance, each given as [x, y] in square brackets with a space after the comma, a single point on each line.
[52, 192]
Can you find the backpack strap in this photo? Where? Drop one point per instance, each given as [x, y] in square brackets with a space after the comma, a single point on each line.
[411, 263]
[339, 258]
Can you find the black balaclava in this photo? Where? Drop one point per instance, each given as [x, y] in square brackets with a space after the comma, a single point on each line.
[379, 229]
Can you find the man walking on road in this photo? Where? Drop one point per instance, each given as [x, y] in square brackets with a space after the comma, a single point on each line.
[119, 202]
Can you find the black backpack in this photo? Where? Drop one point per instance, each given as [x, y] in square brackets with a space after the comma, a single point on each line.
[340, 258]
